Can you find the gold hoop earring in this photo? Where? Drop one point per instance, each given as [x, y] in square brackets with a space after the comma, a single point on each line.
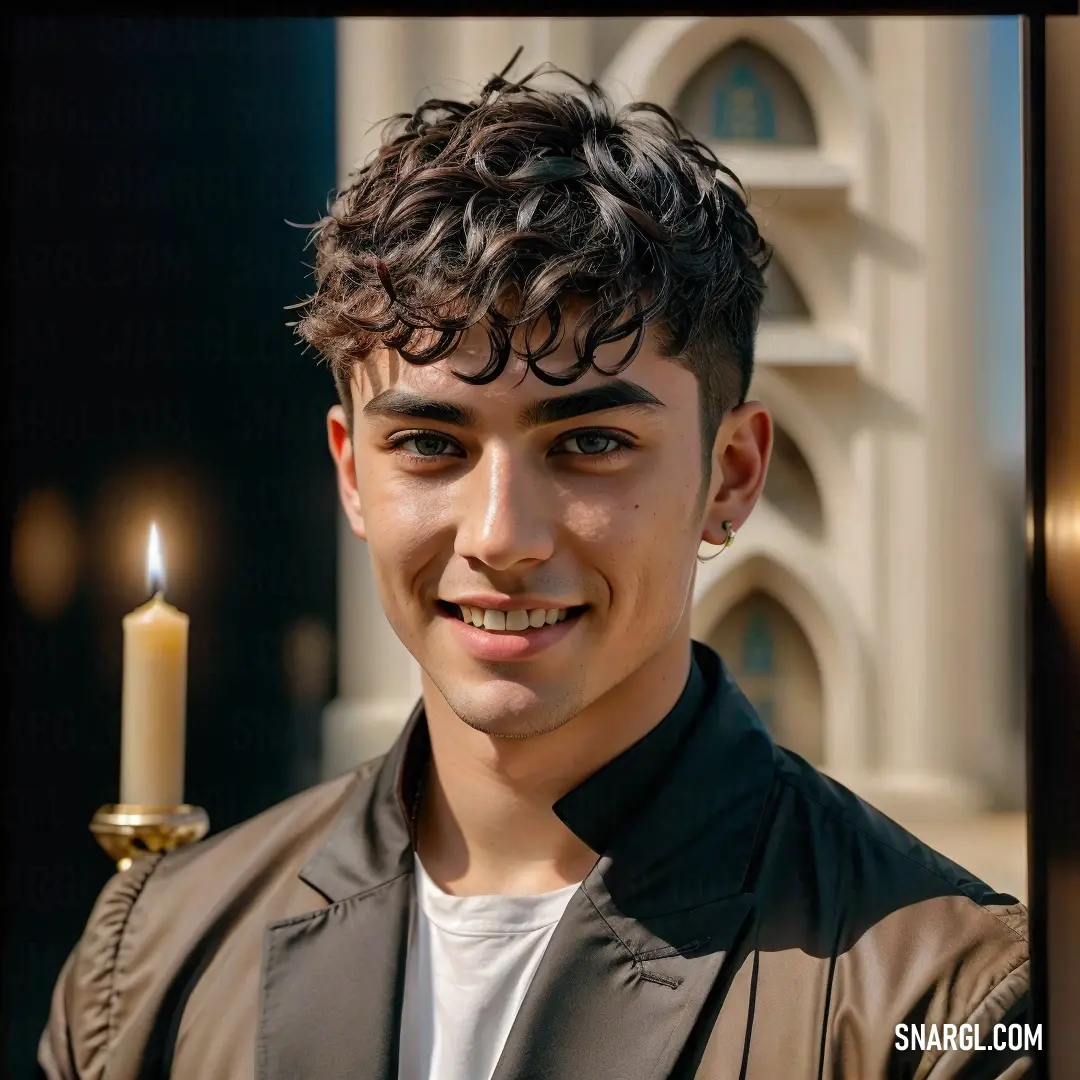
[728, 541]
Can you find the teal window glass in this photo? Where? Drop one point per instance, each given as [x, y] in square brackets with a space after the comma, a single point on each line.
[758, 646]
[743, 107]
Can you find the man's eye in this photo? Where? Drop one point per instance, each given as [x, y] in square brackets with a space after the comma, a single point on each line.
[594, 443]
[423, 444]
[429, 445]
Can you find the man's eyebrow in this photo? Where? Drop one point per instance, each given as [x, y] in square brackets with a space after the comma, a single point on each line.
[612, 394]
[615, 393]
[407, 403]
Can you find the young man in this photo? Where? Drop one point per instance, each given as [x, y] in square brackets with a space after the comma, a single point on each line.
[584, 858]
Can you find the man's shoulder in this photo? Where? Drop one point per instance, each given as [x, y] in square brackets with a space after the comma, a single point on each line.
[285, 832]
[150, 921]
[878, 854]
[194, 881]
[840, 882]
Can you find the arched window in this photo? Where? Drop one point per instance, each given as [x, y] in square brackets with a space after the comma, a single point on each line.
[745, 95]
[771, 659]
[783, 297]
[790, 485]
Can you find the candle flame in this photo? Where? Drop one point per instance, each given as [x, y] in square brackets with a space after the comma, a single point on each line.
[155, 562]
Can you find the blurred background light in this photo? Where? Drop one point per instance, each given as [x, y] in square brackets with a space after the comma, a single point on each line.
[309, 661]
[46, 555]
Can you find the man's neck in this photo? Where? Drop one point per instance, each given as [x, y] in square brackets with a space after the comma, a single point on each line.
[486, 824]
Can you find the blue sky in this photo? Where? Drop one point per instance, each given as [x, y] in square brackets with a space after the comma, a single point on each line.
[1003, 338]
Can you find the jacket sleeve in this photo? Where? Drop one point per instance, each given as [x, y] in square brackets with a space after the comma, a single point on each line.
[75, 1043]
[996, 1036]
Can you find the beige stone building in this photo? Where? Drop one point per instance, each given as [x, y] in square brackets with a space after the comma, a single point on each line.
[864, 607]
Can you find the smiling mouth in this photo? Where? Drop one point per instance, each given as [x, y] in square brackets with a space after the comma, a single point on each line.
[510, 622]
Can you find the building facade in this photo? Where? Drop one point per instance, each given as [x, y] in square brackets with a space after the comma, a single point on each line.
[865, 607]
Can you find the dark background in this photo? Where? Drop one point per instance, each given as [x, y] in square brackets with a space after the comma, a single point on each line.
[151, 166]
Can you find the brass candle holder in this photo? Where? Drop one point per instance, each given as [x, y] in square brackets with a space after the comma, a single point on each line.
[126, 832]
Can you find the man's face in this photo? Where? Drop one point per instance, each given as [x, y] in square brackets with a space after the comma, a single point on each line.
[565, 520]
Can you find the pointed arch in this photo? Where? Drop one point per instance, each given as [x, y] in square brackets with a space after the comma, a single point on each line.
[784, 298]
[654, 63]
[791, 486]
[768, 653]
[820, 273]
[799, 580]
[743, 93]
[815, 443]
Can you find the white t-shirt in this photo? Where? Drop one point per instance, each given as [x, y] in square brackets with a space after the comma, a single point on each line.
[469, 963]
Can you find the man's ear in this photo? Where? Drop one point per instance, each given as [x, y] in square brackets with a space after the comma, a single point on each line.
[740, 462]
[341, 450]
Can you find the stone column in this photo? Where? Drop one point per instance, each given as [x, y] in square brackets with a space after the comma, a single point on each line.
[378, 681]
[967, 575]
[933, 668]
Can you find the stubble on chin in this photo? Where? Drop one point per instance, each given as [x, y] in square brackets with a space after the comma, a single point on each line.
[514, 721]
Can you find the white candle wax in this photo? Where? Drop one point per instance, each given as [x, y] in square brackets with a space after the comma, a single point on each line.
[154, 702]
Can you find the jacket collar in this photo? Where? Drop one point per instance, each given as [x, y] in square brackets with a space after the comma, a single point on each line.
[597, 808]
[704, 770]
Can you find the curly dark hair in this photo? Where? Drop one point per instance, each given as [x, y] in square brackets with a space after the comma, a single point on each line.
[502, 210]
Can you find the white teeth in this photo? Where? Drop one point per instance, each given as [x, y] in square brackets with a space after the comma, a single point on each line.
[517, 620]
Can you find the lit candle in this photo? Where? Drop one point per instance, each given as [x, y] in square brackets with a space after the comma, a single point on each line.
[155, 693]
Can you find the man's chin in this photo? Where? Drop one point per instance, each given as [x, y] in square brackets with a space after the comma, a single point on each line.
[503, 708]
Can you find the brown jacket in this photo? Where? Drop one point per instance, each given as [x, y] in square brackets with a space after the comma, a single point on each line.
[748, 918]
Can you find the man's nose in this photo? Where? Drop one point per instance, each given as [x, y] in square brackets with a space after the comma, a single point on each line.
[504, 513]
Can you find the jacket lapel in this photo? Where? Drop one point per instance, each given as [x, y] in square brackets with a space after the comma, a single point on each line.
[614, 999]
[332, 989]
[333, 979]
